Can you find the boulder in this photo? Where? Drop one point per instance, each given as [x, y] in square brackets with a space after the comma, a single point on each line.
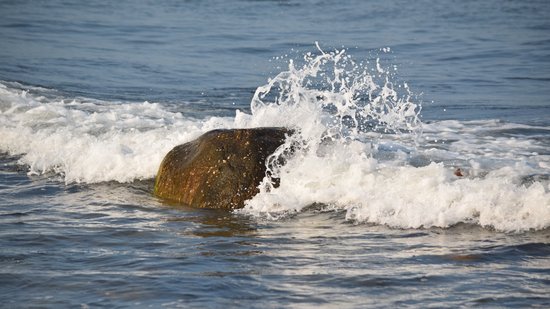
[220, 169]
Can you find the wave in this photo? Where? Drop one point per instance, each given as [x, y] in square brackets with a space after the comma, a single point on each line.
[92, 141]
[359, 147]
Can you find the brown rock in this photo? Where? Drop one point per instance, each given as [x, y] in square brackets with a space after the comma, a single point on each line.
[220, 169]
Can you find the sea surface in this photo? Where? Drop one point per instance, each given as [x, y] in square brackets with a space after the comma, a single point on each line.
[420, 175]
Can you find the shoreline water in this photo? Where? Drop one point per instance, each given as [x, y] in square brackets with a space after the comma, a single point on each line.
[389, 102]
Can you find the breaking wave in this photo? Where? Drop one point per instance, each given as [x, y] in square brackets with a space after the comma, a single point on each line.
[359, 147]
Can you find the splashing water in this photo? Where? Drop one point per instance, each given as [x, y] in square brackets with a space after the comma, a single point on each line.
[344, 99]
[358, 147]
[339, 110]
[355, 149]
[332, 101]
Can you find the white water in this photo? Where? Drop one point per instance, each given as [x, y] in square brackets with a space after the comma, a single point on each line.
[359, 147]
[386, 173]
[92, 141]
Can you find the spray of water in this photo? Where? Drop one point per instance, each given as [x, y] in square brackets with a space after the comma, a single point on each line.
[332, 102]
[357, 147]
[355, 150]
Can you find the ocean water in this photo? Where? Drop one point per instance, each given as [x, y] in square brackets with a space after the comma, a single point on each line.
[389, 100]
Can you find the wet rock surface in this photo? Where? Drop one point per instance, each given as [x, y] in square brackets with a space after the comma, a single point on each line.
[220, 169]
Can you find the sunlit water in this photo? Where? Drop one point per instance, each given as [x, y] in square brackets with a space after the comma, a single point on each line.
[387, 99]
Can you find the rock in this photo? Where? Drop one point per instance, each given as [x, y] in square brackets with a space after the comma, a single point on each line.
[220, 169]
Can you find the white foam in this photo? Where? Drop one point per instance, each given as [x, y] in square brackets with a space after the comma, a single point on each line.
[93, 141]
[387, 173]
[358, 146]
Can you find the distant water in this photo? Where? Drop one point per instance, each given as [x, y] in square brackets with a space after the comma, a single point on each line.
[388, 98]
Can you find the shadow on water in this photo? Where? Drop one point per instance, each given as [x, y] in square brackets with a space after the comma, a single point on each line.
[212, 222]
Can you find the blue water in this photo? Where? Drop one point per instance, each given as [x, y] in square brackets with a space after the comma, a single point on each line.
[480, 70]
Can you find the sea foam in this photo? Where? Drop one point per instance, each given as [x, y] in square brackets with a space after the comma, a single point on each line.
[361, 148]
[358, 147]
[90, 140]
